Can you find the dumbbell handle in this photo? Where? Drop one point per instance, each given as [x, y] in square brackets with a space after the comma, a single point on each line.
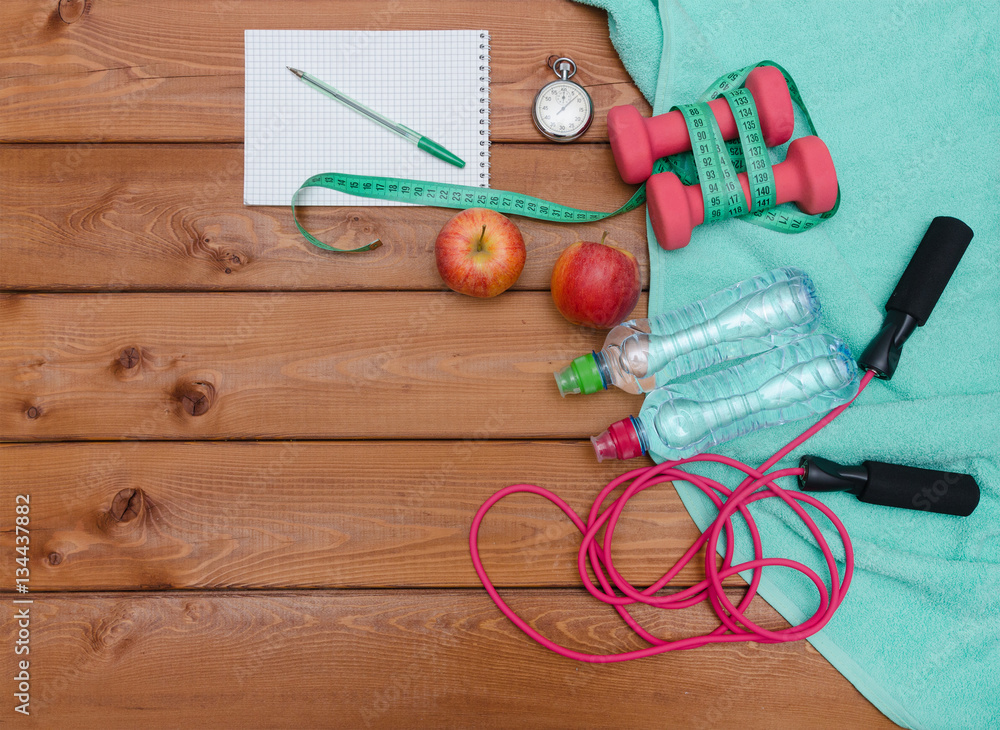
[668, 133]
[638, 141]
[807, 177]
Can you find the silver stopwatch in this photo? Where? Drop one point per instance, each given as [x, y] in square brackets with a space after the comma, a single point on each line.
[563, 109]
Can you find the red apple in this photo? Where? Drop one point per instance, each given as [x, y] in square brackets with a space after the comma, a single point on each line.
[479, 252]
[596, 284]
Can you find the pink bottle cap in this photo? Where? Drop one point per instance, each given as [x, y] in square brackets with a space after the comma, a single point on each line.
[619, 441]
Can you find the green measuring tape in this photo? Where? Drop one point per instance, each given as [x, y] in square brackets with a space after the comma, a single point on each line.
[721, 190]
[712, 162]
[727, 159]
[443, 195]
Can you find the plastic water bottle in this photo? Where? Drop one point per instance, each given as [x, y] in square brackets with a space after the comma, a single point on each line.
[808, 377]
[747, 318]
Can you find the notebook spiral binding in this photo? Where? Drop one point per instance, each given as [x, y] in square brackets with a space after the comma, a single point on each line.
[484, 109]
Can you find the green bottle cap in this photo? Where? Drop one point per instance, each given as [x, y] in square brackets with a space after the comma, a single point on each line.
[580, 376]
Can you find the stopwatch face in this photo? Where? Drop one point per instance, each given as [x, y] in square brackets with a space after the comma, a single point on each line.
[563, 111]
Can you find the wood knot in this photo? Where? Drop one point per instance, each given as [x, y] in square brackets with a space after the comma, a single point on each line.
[196, 397]
[33, 412]
[127, 505]
[129, 357]
[233, 262]
[361, 225]
[55, 559]
[71, 11]
[112, 630]
[128, 363]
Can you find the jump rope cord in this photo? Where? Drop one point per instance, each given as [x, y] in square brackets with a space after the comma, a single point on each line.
[735, 626]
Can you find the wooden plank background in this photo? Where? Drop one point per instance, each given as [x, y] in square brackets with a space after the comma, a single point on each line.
[125, 72]
[293, 365]
[163, 217]
[253, 464]
[407, 659]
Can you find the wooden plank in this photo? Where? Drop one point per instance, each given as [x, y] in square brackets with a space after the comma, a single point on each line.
[173, 71]
[168, 217]
[321, 514]
[403, 659]
[293, 365]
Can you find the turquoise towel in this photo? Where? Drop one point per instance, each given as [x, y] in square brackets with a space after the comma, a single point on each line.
[905, 96]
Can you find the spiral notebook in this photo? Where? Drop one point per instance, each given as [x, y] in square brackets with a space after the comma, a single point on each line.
[436, 82]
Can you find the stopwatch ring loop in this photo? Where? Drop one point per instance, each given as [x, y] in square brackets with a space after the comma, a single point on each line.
[555, 66]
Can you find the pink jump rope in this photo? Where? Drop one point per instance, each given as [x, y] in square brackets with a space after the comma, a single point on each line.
[810, 179]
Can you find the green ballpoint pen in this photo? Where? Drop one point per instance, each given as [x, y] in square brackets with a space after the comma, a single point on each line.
[424, 143]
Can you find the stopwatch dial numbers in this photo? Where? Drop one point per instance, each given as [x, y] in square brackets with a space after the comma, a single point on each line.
[562, 108]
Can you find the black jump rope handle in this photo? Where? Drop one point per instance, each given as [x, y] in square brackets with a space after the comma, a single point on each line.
[918, 290]
[892, 485]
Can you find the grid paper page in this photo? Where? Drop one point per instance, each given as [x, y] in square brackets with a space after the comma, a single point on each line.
[435, 82]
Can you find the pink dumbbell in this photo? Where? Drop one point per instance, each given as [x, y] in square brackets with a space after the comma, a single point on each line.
[638, 141]
[806, 177]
